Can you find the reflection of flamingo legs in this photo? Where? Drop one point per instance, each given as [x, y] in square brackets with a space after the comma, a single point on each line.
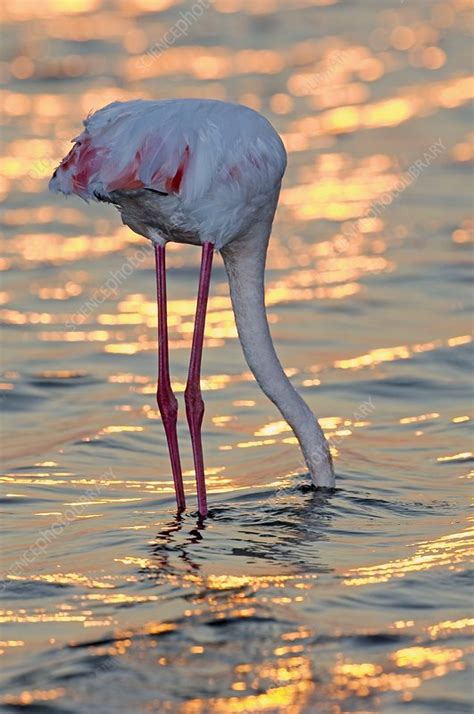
[167, 543]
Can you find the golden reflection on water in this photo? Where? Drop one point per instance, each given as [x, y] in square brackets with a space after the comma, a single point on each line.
[367, 679]
[67, 579]
[390, 354]
[452, 551]
[406, 668]
[27, 698]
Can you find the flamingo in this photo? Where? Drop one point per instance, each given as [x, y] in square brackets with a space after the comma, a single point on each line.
[207, 173]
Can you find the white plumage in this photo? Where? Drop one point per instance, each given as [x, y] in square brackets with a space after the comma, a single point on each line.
[218, 163]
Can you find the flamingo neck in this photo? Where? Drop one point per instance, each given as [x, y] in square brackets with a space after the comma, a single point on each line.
[244, 260]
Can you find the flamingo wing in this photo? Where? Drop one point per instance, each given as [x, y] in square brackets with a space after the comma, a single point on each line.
[126, 147]
[214, 156]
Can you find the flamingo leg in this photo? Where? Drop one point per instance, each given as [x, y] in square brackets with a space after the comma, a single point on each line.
[192, 395]
[165, 398]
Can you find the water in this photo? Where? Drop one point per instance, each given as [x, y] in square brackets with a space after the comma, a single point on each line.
[284, 600]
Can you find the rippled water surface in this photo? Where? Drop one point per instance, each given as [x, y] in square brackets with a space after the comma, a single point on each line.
[284, 600]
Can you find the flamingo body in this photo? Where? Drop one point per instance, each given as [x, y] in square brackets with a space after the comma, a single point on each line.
[188, 170]
[208, 173]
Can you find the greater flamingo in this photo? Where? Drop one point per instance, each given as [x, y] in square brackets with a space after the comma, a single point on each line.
[208, 173]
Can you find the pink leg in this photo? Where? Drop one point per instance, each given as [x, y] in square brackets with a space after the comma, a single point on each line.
[192, 395]
[167, 403]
